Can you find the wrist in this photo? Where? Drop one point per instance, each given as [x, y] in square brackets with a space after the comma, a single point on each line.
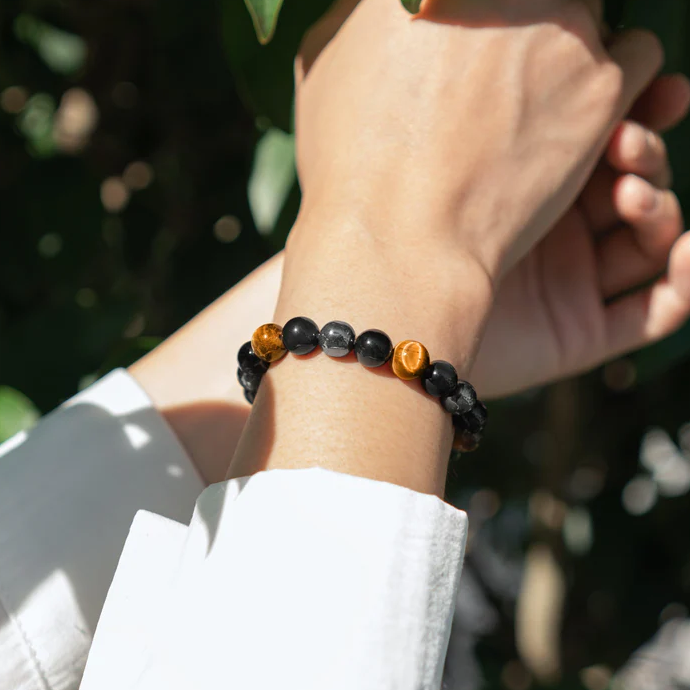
[408, 282]
[317, 411]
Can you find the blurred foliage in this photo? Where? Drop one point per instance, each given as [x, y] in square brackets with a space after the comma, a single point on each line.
[147, 164]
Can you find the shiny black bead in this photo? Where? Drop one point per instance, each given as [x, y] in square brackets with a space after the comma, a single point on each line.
[249, 362]
[439, 379]
[248, 380]
[249, 396]
[373, 348]
[461, 400]
[337, 339]
[300, 335]
[473, 421]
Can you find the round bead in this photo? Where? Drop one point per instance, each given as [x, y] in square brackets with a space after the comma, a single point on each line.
[461, 400]
[249, 362]
[373, 348]
[473, 421]
[249, 396]
[410, 359]
[337, 339]
[300, 335]
[466, 441]
[248, 380]
[267, 342]
[439, 379]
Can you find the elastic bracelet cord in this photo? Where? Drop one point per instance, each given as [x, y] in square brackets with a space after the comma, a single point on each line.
[409, 360]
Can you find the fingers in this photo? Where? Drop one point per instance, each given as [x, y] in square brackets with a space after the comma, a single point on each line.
[638, 252]
[653, 313]
[639, 55]
[636, 150]
[664, 104]
[596, 7]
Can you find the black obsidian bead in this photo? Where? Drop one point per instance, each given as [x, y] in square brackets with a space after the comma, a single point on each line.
[249, 362]
[461, 400]
[473, 421]
[300, 335]
[337, 339]
[439, 379]
[373, 348]
[250, 396]
[248, 380]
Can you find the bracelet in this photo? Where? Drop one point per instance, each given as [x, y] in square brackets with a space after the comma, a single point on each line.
[409, 360]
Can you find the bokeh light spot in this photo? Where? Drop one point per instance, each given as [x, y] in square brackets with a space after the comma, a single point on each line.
[114, 194]
[13, 99]
[639, 495]
[227, 229]
[138, 175]
[50, 245]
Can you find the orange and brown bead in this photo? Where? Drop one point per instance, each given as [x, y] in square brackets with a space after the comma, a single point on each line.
[466, 441]
[267, 342]
[410, 359]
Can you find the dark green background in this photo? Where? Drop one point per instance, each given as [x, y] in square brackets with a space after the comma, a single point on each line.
[202, 92]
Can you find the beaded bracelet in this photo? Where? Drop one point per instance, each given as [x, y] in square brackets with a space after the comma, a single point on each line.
[409, 360]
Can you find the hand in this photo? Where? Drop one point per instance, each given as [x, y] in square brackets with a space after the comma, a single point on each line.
[441, 119]
[542, 347]
[432, 156]
[556, 313]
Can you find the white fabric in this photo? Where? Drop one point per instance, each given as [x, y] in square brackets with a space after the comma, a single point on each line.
[290, 579]
[69, 491]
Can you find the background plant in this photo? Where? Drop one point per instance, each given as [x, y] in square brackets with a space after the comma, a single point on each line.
[147, 163]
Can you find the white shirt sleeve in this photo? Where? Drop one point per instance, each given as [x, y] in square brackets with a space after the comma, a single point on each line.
[69, 490]
[291, 579]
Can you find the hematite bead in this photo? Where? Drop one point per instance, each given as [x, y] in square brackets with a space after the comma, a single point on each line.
[461, 400]
[439, 379]
[249, 362]
[248, 380]
[373, 348]
[466, 441]
[300, 335]
[337, 339]
[267, 342]
[410, 359]
[473, 421]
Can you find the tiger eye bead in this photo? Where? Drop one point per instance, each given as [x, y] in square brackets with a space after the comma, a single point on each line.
[466, 441]
[410, 359]
[267, 342]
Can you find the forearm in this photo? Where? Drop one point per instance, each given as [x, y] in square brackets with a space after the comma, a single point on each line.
[316, 411]
[191, 377]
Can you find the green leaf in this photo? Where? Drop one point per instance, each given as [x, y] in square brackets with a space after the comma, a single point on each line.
[264, 74]
[412, 6]
[265, 17]
[17, 412]
[273, 174]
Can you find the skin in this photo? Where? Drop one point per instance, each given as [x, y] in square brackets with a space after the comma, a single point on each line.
[351, 228]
